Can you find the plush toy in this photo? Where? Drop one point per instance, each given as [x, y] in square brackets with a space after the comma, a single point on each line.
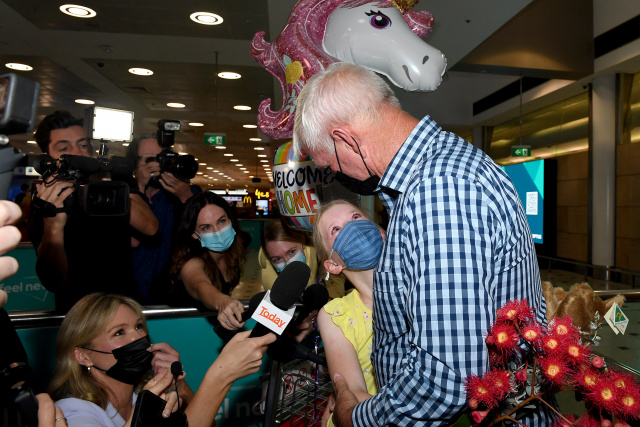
[580, 302]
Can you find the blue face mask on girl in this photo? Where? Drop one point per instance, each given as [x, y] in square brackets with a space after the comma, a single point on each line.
[218, 241]
[299, 256]
[359, 244]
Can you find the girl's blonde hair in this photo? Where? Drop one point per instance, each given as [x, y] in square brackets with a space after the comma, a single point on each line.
[318, 238]
[86, 319]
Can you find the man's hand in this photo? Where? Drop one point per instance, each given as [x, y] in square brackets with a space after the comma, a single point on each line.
[56, 194]
[345, 402]
[175, 186]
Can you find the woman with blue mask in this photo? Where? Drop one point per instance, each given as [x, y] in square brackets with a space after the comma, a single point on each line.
[208, 258]
[281, 245]
[351, 246]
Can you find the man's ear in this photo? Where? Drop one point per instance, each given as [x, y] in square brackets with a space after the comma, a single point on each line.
[81, 357]
[346, 135]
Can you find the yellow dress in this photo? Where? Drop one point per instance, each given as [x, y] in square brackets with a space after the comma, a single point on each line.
[354, 320]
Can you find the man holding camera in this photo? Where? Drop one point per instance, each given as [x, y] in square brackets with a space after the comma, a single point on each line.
[166, 195]
[79, 253]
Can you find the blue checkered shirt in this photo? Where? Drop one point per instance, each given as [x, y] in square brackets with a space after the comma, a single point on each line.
[458, 247]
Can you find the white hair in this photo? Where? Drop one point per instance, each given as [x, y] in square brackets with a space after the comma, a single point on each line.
[342, 94]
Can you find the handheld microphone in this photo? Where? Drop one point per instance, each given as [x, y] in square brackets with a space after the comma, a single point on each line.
[313, 298]
[176, 368]
[285, 350]
[272, 315]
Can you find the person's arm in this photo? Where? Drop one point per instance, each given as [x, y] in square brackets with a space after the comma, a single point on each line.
[141, 218]
[199, 287]
[242, 356]
[341, 356]
[51, 264]
[49, 415]
[446, 271]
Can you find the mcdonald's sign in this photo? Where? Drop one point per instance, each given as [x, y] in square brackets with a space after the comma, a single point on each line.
[247, 200]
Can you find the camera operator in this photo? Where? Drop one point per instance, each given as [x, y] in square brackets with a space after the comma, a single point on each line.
[166, 195]
[77, 253]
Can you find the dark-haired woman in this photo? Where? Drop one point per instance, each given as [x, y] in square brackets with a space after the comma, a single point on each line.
[209, 255]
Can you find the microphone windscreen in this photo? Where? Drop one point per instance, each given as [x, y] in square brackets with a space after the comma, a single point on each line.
[176, 368]
[315, 297]
[285, 350]
[85, 164]
[253, 304]
[289, 284]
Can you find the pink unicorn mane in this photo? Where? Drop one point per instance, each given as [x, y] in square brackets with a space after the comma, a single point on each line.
[297, 54]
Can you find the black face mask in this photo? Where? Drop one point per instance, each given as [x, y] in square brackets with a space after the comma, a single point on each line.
[133, 361]
[364, 188]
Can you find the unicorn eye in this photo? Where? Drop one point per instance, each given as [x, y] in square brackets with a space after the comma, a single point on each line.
[379, 20]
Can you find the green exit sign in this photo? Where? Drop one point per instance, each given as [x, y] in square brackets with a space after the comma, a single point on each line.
[521, 151]
[215, 139]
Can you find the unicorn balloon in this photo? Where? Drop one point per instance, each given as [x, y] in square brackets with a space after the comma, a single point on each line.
[382, 35]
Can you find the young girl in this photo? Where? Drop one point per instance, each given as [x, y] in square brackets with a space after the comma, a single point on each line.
[350, 244]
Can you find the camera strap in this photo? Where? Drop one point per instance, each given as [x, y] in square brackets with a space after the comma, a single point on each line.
[45, 209]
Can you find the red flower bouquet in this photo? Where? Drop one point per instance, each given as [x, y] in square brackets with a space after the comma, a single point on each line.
[529, 361]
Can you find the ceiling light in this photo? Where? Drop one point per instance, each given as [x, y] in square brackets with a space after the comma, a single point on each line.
[220, 147]
[77, 11]
[202, 164]
[228, 155]
[175, 105]
[216, 170]
[262, 155]
[229, 75]
[235, 160]
[242, 107]
[209, 167]
[243, 169]
[249, 126]
[196, 124]
[264, 161]
[258, 148]
[200, 173]
[215, 179]
[206, 18]
[84, 101]
[140, 71]
[31, 142]
[221, 173]
[255, 139]
[239, 164]
[125, 144]
[18, 67]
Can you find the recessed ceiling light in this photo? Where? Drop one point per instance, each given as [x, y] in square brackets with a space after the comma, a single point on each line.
[235, 160]
[228, 155]
[216, 170]
[125, 144]
[77, 11]
[264, 161]
[221, 173]
[245, 172]
[220, 147]
[206, 18]
[183, 154]
[249, 126]
[258, 148]
[215, 179]
[140, 71]
[262, 155]
[202, 164]
[18, 67]
[31, 142]
[209, 167]
[229, 75]
[175, 105]
[255, 139]
[85, 101]
[196, 124]
[239, 164]
[243, 169]
[242, 107]
[200, 173]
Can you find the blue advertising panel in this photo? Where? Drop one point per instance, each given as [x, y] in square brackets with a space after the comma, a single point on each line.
[528, 179]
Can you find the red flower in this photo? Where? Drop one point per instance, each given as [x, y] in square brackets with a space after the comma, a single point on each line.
[552, 344]
[623, 381]
[521, 375]
[504, 338]
[515, 311]
[532, 333]
[478, 416]
[559, 422]
[500, 381]
[629, 404]
[598, 362]
[588, 421]
[604, 395]
[554, 369]
[577, 353]
[564, 328]
[481, 390]
[587, 378]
